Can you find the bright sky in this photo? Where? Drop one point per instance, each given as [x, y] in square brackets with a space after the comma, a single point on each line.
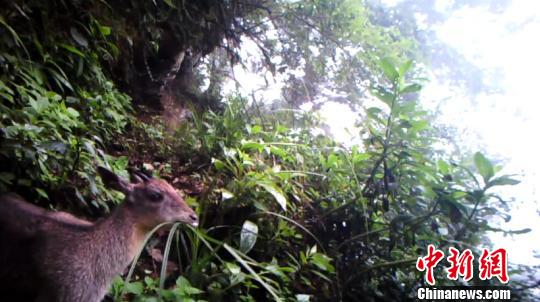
[505, 125]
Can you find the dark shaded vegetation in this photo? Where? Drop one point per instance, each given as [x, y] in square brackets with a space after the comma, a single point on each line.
[286, 213]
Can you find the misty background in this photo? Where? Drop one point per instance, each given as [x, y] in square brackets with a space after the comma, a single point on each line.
[479, 63]
[483, 63]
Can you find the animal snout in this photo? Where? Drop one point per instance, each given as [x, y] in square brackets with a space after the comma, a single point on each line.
[194, 219]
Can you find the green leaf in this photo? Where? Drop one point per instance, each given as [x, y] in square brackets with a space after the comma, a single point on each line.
[233, 268]
[105, 30]
[302, 298]
[459, 194]
[277, 193]
[218, 164]
[42, 193]
[256, 129]
[6, 177]
[360, 157]
[411, 88]
[60, 79]
[443, 166]
[170, 3]
[384, 95]
[523, 231]
[252, 146]
[166, 251]
[192, 291]
[254, 274]
[4, 87]
[453, 209]
[373, 111]
[225, 194]
[322, 262]
[504, 180]
[484, 166]
[418, 126]
[54, 146]
[78, 37]
[185, 288]
[405, 67]
[389, 69]
[72, 50]
[278, 151]
[72, 112]
[40, 105]
[135, 288]
[248, 236]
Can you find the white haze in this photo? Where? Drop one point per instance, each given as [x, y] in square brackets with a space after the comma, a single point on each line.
[503, 125]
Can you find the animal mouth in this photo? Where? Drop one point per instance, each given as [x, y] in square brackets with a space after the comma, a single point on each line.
[192, 220]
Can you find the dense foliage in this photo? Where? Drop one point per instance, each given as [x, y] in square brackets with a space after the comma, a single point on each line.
[287, 213]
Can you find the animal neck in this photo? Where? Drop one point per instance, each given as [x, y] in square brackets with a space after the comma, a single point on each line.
[121, 237]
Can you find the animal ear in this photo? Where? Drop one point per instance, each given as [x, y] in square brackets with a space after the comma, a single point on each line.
[114, 181]
[138, 177]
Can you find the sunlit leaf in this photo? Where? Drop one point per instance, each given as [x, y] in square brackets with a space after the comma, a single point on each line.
[78, 37]
[225, 194]
[278, 151]
[484, 166]
[278, 195]
[105, 30]
[405, 67]
[360, 157]
[74, 113]
[256, 129]
[233, 268]
[459, 194]
[389, 69]
[252, 146]
[419, 125]
[248, 236]
[443, 166]
[218, 164]
[322, 262]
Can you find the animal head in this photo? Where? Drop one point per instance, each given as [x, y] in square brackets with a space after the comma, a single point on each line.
[153, 201]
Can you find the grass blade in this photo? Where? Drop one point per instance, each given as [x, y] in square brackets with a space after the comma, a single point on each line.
[236, 255]
[134, 263]
[163, 273]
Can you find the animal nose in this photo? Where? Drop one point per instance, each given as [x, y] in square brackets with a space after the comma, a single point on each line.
[195, 220]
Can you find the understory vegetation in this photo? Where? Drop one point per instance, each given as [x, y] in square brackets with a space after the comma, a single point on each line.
[287, 212]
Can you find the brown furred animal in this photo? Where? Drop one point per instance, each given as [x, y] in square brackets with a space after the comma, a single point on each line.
[50, 256]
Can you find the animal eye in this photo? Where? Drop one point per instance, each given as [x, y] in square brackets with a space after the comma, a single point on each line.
[155, 196]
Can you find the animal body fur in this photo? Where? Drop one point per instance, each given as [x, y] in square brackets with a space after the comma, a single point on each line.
[50, 256]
